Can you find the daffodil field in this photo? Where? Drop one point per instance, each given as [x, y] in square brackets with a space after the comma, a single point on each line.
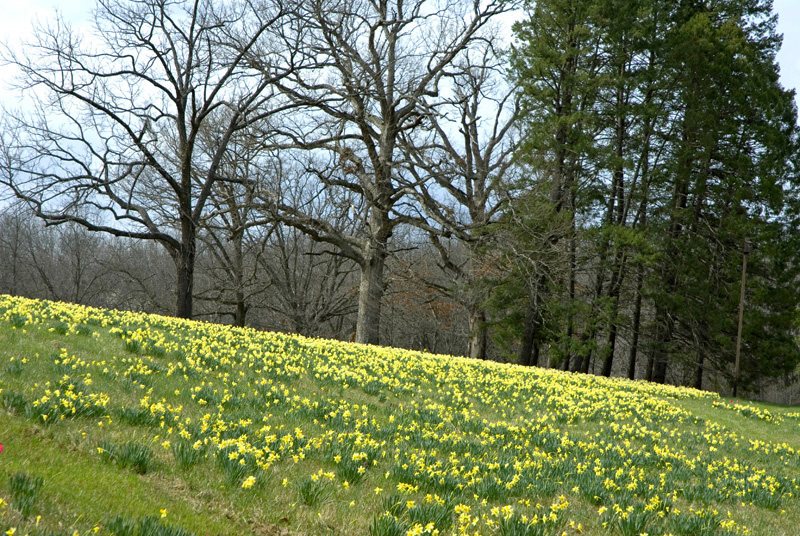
[131, 424]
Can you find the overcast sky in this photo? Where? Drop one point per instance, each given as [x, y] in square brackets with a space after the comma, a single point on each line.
[16, 17]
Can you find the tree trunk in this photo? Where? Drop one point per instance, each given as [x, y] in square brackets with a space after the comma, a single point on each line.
[614, 292]
[586, 364]
[660, 368]
[571, 288]
[658, 372]
[617, 218]
[651, 361]
[184, 262]
[370, 293]
[698, 373]
[590, 332]
[529, 353]
[610, 348]
[477, 333]
[637, 319]
[15, 245]
[528, 334]
[240, 315]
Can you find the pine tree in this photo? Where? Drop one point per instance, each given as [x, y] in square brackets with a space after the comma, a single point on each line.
[661, 130]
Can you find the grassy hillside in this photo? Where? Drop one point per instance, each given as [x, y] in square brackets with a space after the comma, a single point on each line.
[130, 424]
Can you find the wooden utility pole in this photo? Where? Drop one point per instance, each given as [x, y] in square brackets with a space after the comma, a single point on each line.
[746, 250]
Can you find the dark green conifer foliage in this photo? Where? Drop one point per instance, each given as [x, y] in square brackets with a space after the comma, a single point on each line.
[661, 129]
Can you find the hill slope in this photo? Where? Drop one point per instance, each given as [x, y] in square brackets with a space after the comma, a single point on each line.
[131, 424]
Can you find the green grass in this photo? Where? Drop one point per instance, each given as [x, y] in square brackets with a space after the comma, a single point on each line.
[131, 424]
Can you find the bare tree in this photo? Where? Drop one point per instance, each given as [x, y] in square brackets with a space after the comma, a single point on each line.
[314, 289]
[231, 270]
[460, 173]
[66, 263]
[14, 263]
[142, 275]
[115, 118]
[378, 59]
[313, 283]
[419, 312]
[233, 231]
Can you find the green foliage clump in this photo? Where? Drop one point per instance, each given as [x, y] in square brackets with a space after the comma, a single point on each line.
[129, 455]
[24, 492]
[313, 492]
[185, 454]
[387, 525]
[145, 526]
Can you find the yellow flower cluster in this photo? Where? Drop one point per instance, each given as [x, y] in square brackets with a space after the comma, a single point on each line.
[486, 442]
[748, 411]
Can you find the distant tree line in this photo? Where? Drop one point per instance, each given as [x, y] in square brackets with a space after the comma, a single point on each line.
[290, 284]
[402, 173]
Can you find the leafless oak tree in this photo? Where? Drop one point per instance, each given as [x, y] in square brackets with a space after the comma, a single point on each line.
[460, 173]
[114, 116]
[378, 60]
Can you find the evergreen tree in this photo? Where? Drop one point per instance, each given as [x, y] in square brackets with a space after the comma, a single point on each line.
[557, 65]
[734, 139]
[661, 129]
